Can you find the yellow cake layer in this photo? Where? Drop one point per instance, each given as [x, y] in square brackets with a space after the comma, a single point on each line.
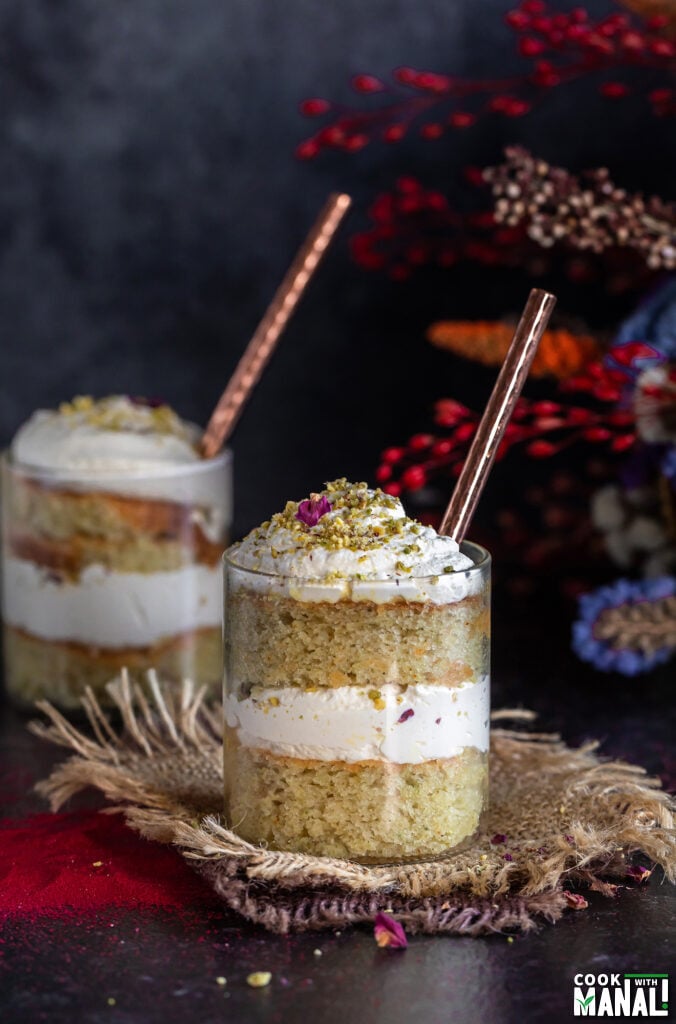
[60, 671]
[370, 811]
[68, 530]
[277, 641]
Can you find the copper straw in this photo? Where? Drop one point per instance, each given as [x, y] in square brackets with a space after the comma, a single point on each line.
[511, 380]
[267, 334]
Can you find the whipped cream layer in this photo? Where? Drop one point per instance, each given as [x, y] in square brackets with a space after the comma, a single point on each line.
[403, 725]
[363, 547]
[119, 445]
[111, 609]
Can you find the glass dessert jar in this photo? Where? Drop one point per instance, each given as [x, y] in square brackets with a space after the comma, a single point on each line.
[356, 703]
[111, 563]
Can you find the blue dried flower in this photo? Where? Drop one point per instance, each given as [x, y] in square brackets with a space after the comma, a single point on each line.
[654, 321]
[608, 652]
[668, 464]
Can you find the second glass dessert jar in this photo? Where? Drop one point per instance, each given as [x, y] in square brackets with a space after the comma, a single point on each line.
[357, 710]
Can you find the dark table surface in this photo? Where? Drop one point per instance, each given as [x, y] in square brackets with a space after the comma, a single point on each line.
[157, 964]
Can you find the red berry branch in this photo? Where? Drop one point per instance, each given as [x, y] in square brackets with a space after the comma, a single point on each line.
[559, 47]
[542, 428]
[414, 226]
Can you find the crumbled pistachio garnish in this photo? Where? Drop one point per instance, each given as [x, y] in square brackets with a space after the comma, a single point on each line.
[114, 413]
[355, 523]
[376, 698]
[259, 979]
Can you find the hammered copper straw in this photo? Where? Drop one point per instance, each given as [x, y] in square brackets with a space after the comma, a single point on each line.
[511, 379]
[262, 345]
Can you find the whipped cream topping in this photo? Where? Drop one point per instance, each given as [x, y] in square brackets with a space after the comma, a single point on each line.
[110, 609]
[112, 435]
[124, 446]
[403, 725]
[365, 548]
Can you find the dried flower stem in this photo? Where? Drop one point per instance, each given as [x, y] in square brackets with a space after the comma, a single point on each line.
[587, 212]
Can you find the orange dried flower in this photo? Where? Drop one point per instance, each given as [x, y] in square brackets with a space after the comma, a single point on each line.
[560, 354]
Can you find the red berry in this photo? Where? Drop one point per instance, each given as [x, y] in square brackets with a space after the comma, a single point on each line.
[577, 33]
[614, 90]
[657, 22]
[461, 119]
[632, 41]
[308, 149]
[314, 107]
[410, 204]
[660, 96]
[474, 175]
[578, 14]
[420, 441]
[332, 135]
[435, 83]
[442, 448]
[408, 185]
[540, 449]
[517, 20]
[465, 431]
[498, 103]
[623, 442]
[432, 131]
[393, 454]
[413, 478]
[383, 473]
[533, 6]
[662, 48]
[353, 143]
[394, 133]
[367, 83]
[516, 108]
[436, 201]
[407, 76]
[577, 415]
[529, 46]
[597, 434]
[393, 488]
[546, 408]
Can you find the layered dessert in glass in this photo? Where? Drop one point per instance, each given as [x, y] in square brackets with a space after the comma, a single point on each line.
[357, 681]
[113, 532]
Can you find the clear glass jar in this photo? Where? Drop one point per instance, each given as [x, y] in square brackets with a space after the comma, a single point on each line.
[357, 712]
[104, 571]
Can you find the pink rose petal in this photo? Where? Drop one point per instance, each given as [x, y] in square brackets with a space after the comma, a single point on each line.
[389, 933]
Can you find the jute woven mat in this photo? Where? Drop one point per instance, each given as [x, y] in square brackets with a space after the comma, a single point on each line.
[560, 820]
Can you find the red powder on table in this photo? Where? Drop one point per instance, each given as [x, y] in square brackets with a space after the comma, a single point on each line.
[59, 863]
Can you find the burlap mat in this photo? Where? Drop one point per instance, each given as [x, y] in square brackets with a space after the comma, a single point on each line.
[559, 820]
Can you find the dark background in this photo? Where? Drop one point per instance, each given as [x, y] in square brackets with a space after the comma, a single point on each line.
[151, 202]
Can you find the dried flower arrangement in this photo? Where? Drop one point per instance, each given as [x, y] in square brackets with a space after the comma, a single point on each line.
[623, 413]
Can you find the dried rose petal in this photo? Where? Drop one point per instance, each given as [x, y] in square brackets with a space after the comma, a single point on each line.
[312, 509]
[508, 856]
[575, 901]
[389, 933]
[498, 838]
[639, 873]
[405, 715]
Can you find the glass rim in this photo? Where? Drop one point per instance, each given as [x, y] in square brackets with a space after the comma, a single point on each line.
[173, 470]
[477, 569]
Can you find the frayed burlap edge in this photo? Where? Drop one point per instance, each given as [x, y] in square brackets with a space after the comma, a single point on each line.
[163, 770]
